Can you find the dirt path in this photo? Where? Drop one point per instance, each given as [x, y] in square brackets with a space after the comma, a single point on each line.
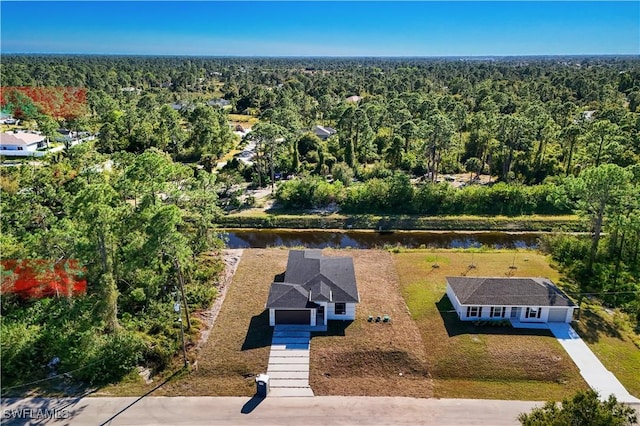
[231, 259]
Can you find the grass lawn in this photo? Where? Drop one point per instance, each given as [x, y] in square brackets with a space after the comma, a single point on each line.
[243, 120]
[605, 333]
[369, 358]
[467, 361]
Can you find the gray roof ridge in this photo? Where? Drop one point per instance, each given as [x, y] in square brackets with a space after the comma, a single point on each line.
[479, 284]
[321, 275]
[297, 287]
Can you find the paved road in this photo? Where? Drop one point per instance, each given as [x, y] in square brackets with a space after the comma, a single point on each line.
[591, 369]
[330, 410]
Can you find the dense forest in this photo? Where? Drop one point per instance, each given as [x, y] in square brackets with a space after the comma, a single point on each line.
[138, 206]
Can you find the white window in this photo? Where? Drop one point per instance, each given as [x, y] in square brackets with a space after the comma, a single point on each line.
[497, 311]
[533, 312]
[473, 311]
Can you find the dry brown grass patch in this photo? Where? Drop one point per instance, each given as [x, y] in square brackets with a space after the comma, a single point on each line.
[372, 358]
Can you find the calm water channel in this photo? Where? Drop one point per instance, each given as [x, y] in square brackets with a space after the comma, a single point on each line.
[263, 238]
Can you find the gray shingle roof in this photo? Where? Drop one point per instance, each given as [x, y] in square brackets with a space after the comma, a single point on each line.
[508, 291]
[315, 277]
[287, 295]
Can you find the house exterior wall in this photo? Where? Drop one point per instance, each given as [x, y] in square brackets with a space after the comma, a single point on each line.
[349, 314]
[455, 302]
[329, 313]
[485, 311]
[272, 316]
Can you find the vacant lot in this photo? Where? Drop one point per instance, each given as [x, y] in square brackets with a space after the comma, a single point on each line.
[370, 358]
[466, 361]
[239, 343]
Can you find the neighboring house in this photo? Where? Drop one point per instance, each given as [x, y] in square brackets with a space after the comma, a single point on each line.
[515, 299]
[21, 143]
[6, 118]
[323, 132]
[219, 103]
[66, 136]
[315, 289]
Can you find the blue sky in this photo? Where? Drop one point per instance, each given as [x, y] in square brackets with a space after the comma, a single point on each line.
[336, 28]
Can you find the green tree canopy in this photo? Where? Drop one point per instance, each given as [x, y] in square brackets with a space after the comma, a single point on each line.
[584, 409]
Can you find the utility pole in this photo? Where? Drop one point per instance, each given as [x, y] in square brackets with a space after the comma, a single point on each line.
[184, 298]
[176, 309]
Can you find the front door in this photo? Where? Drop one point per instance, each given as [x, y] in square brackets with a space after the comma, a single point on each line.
[320, 316]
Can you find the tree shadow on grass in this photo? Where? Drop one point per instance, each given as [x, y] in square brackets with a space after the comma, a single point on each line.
[456, 327]
[259, 333]
[591, 327]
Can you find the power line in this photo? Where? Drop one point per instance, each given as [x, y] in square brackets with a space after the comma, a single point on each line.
[51, 377]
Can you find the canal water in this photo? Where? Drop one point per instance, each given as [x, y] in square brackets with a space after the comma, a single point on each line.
[262, 238]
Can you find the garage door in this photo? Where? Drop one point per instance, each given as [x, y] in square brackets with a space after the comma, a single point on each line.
[293, 317]
[557, 315]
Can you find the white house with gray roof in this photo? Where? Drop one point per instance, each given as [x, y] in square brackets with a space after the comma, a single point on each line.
[18, 143]
[515, 299]
[315, 289]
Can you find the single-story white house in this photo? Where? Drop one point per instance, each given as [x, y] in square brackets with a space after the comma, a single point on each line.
[316, 288]
[21, 143]
[515, 299]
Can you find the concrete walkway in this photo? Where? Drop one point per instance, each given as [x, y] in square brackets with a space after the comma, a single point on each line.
[289, 361]
[594, 373]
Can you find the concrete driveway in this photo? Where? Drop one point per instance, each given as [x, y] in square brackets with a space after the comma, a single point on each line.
[289, 361]
[591, 369]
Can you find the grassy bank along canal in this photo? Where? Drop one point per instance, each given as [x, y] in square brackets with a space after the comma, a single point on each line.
[533, 223]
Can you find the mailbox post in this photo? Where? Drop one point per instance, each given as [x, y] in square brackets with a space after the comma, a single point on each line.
[262, 385]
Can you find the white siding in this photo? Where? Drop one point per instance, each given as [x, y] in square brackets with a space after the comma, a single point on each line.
[544, 314]
[485, 314]
[350, 312]
[455, 302]
[564, 314]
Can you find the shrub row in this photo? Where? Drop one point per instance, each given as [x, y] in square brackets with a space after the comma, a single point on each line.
[397, 195]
